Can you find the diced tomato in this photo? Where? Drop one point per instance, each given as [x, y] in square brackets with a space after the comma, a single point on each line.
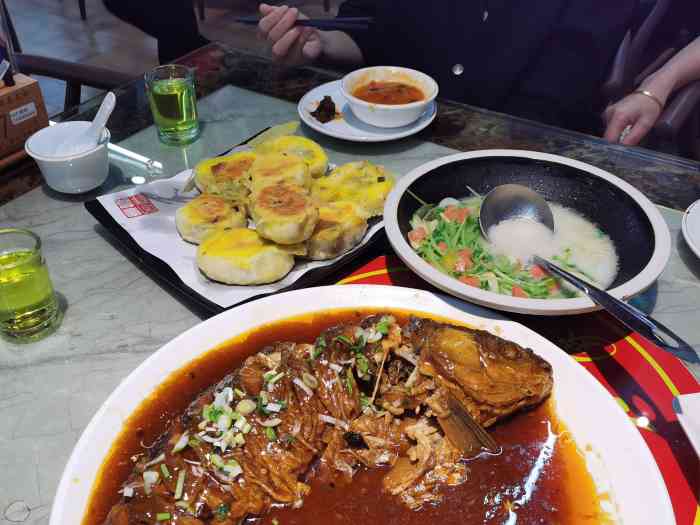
[554, 287]
[416, 236]
[537, 272]
[455, 214]
[464, 260]
[518, 292]
[442, 246]
[471, 281]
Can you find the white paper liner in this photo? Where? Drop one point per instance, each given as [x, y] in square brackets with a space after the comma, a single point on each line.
[147, 213]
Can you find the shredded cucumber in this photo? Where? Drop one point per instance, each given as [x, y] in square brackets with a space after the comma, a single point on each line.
[445, 242]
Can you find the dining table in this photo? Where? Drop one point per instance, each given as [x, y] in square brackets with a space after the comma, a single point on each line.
[118, 310]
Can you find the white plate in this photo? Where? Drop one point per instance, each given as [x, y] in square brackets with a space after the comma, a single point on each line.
[687, 408]
[349, 127]
[624, 465]
[639, 283]
[691, 227]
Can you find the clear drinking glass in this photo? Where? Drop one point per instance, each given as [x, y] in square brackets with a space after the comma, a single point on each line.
[28, 306]
[173, 102]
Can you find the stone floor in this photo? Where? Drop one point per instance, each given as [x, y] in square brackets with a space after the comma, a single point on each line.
[54, 28]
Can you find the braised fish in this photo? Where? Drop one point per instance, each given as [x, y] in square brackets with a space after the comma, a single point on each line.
[364, 395]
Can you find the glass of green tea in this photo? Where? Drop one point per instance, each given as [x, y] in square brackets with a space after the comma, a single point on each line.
[173, 102]
[28, 306]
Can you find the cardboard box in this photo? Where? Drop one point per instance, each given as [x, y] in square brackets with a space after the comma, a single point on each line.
[22, 112]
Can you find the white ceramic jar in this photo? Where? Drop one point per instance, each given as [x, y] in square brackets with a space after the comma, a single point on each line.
[77, 173]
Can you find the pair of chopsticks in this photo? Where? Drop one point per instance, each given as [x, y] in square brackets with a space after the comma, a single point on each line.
[358, 23]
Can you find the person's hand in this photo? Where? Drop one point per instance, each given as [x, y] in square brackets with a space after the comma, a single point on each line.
[291, 45]
[636, 113]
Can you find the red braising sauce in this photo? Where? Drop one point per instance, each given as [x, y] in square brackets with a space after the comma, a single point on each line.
[563, 492]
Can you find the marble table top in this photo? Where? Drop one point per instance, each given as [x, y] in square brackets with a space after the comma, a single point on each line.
[116, 315]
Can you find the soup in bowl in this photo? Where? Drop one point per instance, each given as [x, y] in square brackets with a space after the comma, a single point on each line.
[388, 97]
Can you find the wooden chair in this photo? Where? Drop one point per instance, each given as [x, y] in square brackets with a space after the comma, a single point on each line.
[74, 75]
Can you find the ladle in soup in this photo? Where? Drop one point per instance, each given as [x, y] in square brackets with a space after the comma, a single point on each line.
[513, 201]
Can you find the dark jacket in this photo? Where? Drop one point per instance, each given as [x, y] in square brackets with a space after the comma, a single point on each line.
[540, 59]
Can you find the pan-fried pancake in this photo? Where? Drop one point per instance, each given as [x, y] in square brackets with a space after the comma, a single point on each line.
[339, 229]
[283, 213]
[241, 256]
[272, 168]
[313, 154]
[228, 176]
[203, 214]
[364, 184]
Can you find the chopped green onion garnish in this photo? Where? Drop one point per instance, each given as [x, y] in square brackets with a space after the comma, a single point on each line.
[245, 407]
[239, 392]
[309, 380]
[232, 468]
[165, 471]
[212, 413]
[224, 422]
[216, 460]
[162, 516]
[271, 434]
[362, 365]
[180, 484]
[383, 325]
[275, 378]
[264, 398]
[246, 428]
[240, 423]
[359, 345]
[319, 347]
[343, 339]
[349, 380]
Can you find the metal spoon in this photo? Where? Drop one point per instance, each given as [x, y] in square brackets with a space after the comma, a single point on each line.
[512, 201]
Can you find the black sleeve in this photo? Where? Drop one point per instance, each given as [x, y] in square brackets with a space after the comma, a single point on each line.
[568, 72]
[367, 41]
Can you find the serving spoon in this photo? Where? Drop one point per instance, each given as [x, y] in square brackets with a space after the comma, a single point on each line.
[513, 201]
[88, 139]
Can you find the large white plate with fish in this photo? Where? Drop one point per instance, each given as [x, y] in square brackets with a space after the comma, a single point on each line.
[618, 459]
[349, 127]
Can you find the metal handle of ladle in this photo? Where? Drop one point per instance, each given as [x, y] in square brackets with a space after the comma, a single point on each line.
[627, 314]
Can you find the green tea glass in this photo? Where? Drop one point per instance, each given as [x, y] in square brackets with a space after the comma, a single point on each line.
[28, 306]
[173, 103]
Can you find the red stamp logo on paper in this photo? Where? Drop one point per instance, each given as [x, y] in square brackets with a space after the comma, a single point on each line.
[136, 206]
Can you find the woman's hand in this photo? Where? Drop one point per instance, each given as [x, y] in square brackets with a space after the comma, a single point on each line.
[291, 45]
[637, 111]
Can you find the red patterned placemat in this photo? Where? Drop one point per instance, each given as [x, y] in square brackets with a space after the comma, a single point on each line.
[643, 379]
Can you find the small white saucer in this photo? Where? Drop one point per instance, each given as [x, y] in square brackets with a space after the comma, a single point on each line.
[687, 408]
[349, 127]
[691, 227]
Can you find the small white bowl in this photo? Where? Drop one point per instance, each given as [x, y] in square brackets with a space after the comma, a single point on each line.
[76, 173]
[388, 115]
